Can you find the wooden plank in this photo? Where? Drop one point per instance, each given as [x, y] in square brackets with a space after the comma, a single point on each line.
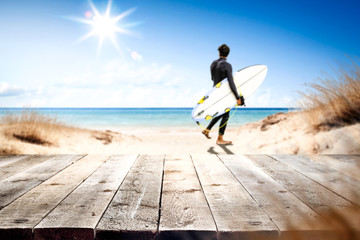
[350, 158]
[185, 213]
[18, 184]
[22, 215]
[5, 160]
[21, 165]
[288, 212]
[134, 211]
[346, 167]
[77, 216]
[236, 214]
[322, 200]
[337, 182]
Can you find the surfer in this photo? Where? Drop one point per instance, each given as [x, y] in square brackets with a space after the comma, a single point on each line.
[221, 69]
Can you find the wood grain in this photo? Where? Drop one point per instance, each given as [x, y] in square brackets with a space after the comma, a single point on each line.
[21, 164]
[350, 168]
[77, 216]
[236, 214]
[5, 160]
[332, 179]
[179, 197]
[20, 183]
[185, 213]
[22, 215]
[283, 207]
[319, 198]
[134, 211]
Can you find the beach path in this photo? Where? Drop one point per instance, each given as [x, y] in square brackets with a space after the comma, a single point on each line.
[182, 196]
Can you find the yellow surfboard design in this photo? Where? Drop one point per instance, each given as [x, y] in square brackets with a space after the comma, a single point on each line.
[218, 85]
[208, 117]
[202, 100]
[227, 109]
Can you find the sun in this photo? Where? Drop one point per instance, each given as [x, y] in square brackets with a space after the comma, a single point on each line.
[104, 26]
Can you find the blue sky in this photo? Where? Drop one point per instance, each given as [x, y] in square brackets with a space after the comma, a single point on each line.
[165, 60]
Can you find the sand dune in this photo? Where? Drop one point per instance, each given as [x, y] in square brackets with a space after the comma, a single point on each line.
[280, 133]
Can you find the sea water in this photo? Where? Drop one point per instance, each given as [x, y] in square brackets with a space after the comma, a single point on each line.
[141, 117]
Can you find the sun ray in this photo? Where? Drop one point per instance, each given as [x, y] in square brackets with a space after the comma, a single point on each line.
[124, 14]
[101, 40]
[108, 8]
[86, 36]
[82, 20]
[115, 43]
[93, 8]
[122, 30]
[132, 24]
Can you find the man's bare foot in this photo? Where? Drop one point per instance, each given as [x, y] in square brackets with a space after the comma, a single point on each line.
[206, 133]
[221, 141]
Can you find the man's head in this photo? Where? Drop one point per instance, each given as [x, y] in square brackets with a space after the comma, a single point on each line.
[224, 50]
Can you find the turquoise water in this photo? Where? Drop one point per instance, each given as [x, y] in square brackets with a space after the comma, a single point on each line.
[134, 117]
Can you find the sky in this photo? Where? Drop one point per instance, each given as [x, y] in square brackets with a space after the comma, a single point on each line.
[50, 56]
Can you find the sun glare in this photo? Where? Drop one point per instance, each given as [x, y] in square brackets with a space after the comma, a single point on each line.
[104, 26]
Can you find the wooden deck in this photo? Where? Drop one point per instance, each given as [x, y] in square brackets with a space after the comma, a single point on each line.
[178, 197]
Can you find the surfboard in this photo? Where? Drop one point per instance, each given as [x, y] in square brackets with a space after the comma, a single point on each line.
[220, 98]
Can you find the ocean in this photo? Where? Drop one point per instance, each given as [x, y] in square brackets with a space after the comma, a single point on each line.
[99, 118]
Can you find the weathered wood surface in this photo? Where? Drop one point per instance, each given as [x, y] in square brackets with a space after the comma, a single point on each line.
[22, 215]
[21, 164]
[330, 178]
[77, 216]
[316, 196]
[20, 183]
[134, 211]
[5, 160]
[236, 213]
[345, 166]
[185, 213]
[283, 207]
[179, 197]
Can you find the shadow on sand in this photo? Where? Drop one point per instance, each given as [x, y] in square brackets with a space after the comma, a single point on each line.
[211, 150]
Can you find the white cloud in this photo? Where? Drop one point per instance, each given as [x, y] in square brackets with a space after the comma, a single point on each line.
[265, 97]
[260, 99]
[115, 84]
[10, 90]
[120, 72]
[270, 98]
[135, 73]
[288, 101]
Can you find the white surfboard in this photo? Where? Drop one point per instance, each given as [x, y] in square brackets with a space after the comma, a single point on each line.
[220, 98]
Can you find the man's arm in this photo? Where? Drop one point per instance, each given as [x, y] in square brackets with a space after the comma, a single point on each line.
[231, 81]
[211, 71]
[239, 99]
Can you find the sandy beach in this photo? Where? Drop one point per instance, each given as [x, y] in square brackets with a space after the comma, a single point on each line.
[282, 133]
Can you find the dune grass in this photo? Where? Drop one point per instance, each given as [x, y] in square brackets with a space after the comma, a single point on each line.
[32, 127]
[33, 132]
[334, 102]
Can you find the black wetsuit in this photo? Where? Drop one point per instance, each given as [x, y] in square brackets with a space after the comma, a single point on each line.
[221, 69]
